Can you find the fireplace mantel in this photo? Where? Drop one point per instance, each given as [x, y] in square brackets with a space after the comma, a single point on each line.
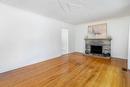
[97, 39]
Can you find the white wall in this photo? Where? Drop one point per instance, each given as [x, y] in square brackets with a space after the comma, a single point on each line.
[27, 38]
[129, 49]
[116, 28]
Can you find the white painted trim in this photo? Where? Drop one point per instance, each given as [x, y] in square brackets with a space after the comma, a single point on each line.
[129, 50]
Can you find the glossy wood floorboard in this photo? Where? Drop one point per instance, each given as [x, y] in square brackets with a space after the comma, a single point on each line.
[72, 70]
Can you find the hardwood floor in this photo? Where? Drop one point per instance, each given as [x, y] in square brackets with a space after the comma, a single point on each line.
[72, 70]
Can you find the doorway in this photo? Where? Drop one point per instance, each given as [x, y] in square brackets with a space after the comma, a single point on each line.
[65, 40]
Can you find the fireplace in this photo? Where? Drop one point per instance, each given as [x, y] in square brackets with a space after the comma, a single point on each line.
[100, 47]
[96, 49]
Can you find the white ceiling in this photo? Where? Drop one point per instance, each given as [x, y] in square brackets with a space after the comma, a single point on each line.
[75, 11]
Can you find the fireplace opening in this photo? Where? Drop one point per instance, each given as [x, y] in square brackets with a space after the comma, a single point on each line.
[96, 49]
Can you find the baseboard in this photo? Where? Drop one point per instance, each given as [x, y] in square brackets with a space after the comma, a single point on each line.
[118, 58]
[9, 69]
